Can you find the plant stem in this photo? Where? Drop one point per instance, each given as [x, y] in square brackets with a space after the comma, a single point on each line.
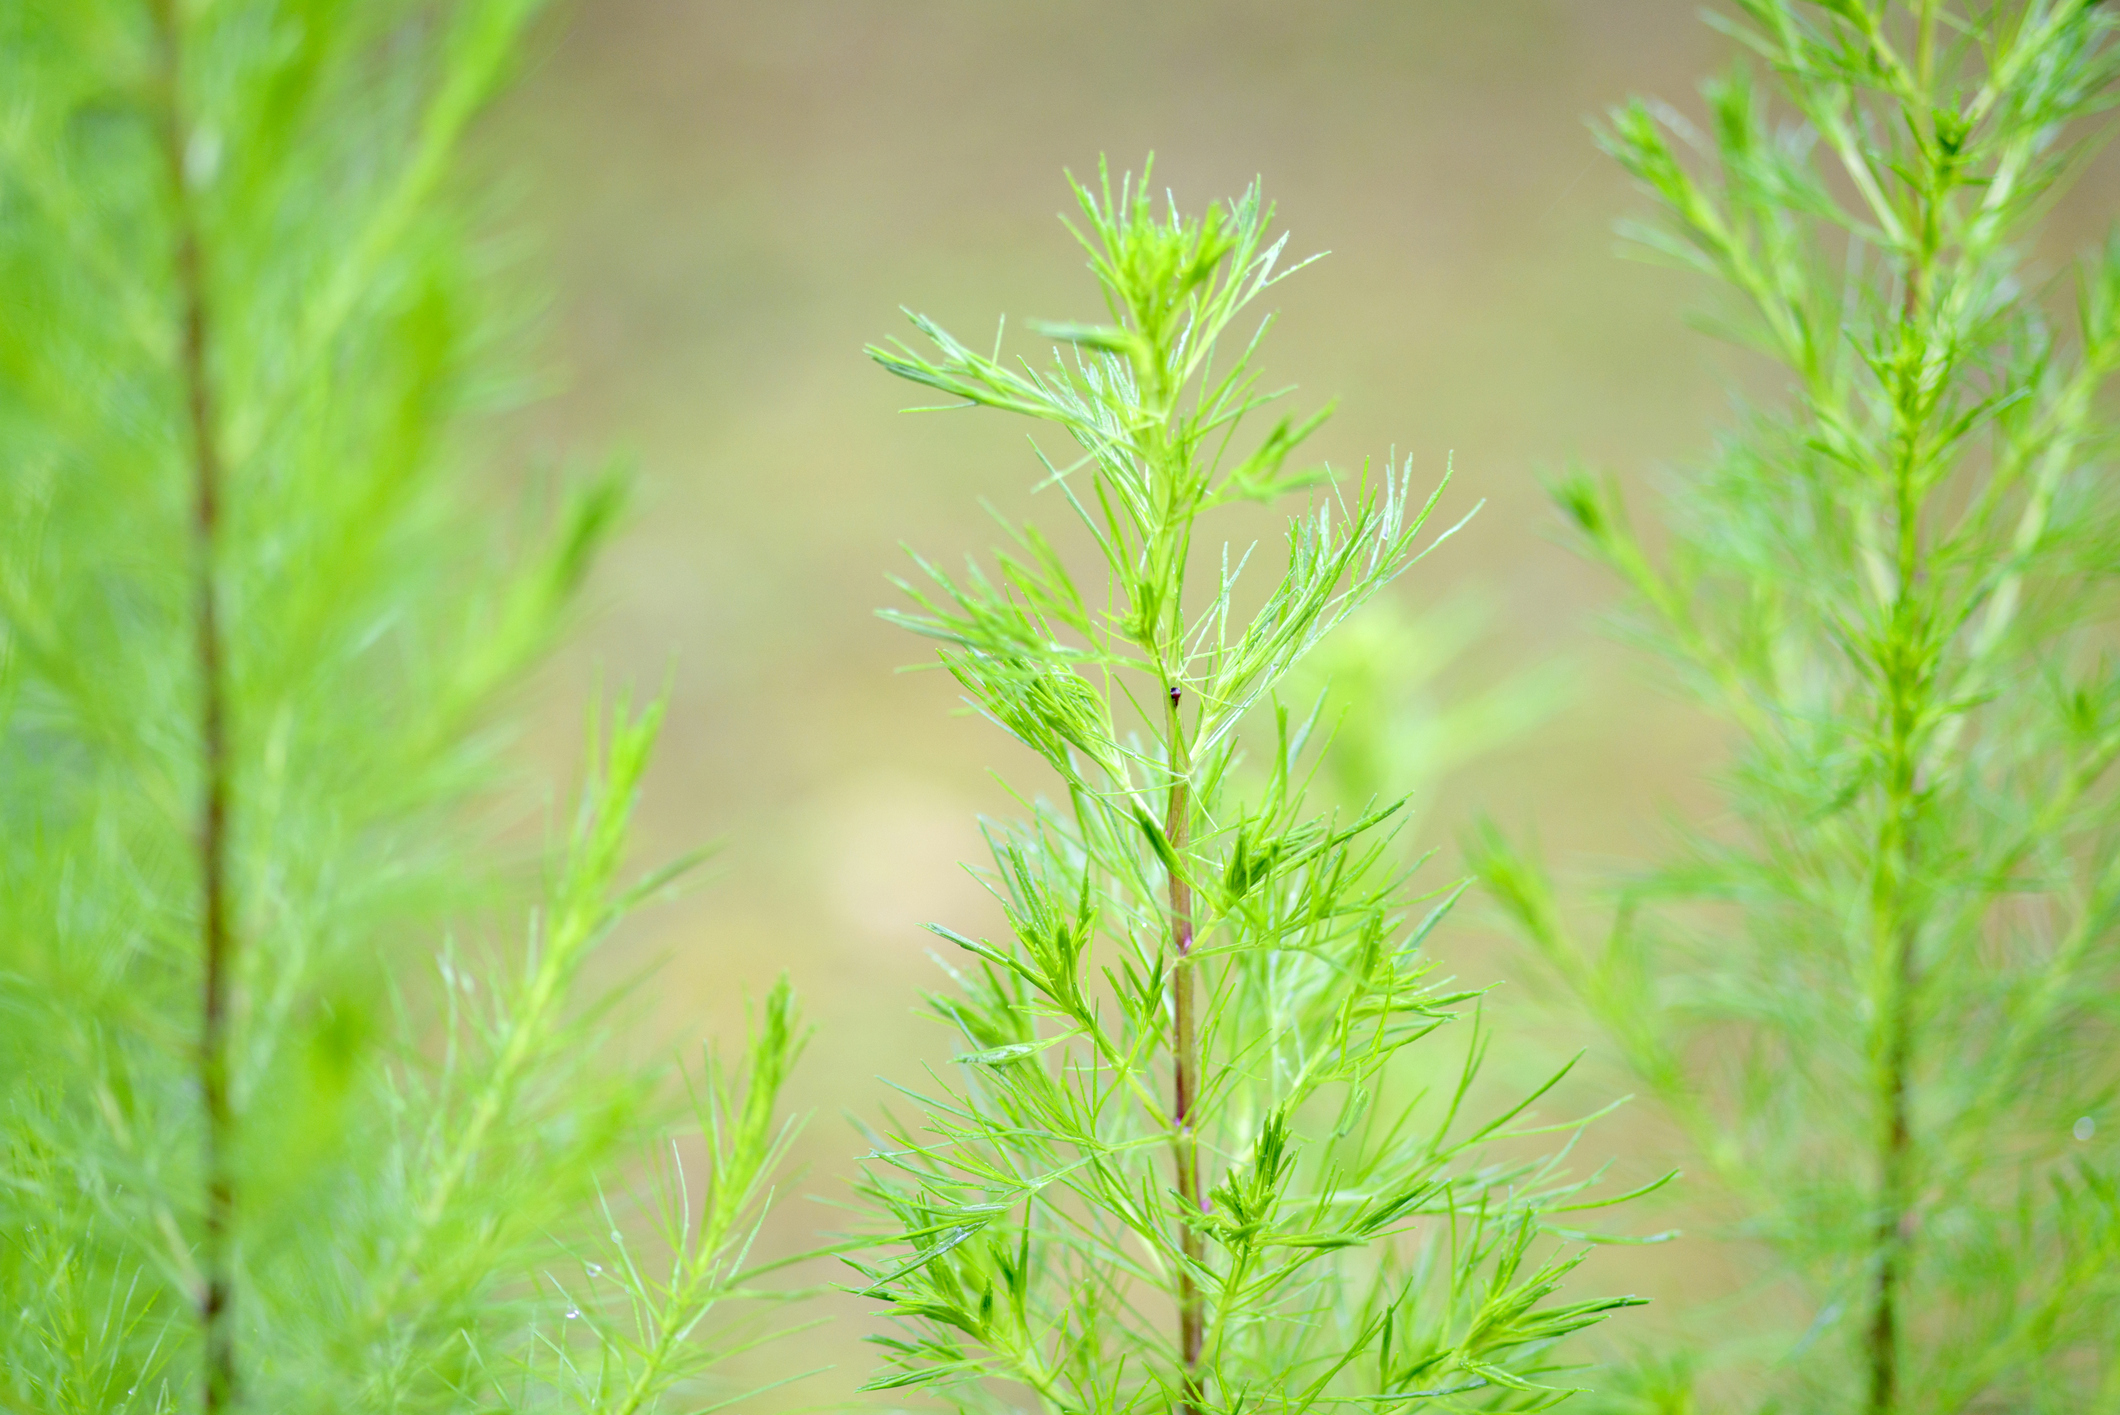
[217, 938]
[1185, 1064]
[1896, 924]
[1897, 932]
[1891, 1236]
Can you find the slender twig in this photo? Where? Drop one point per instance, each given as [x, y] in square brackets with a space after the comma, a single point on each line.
[217, 939]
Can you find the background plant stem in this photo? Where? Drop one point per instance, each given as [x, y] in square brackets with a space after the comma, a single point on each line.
[216, 937]
[1909, 685]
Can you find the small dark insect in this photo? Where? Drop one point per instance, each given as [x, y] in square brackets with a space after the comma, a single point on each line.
[1176, 693]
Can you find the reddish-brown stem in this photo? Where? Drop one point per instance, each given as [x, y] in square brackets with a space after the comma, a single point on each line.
[217, 940]
[1185, 1068]
[1895, 1214]
[1893, 1233]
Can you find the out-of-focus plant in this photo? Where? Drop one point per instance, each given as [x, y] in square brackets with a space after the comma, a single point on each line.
[1400, 721]
[1187, 1160]
[252, 616]
[1881, 993]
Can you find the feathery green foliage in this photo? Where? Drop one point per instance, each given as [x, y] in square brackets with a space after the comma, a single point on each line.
[1881, 994]
[1185, 1161]
[267, 1141]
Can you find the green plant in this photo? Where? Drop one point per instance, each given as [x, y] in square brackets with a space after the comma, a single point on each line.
[1881, 992]
[1189, 1163]
[1403, 715]
[270, 1137]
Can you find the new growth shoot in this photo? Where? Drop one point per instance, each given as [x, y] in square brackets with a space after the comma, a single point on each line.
[1185, 1161]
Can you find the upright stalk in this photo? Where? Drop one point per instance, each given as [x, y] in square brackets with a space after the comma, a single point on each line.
[1170, 468]
[217, 941]
[1897, 933]
[1896, 928]
[1185, 1062]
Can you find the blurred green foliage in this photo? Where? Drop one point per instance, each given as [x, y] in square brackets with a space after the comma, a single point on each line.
[1879, 991]
[1402, 717]
[254, 616]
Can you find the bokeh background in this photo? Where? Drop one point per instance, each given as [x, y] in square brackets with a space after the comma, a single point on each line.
[733, 196]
